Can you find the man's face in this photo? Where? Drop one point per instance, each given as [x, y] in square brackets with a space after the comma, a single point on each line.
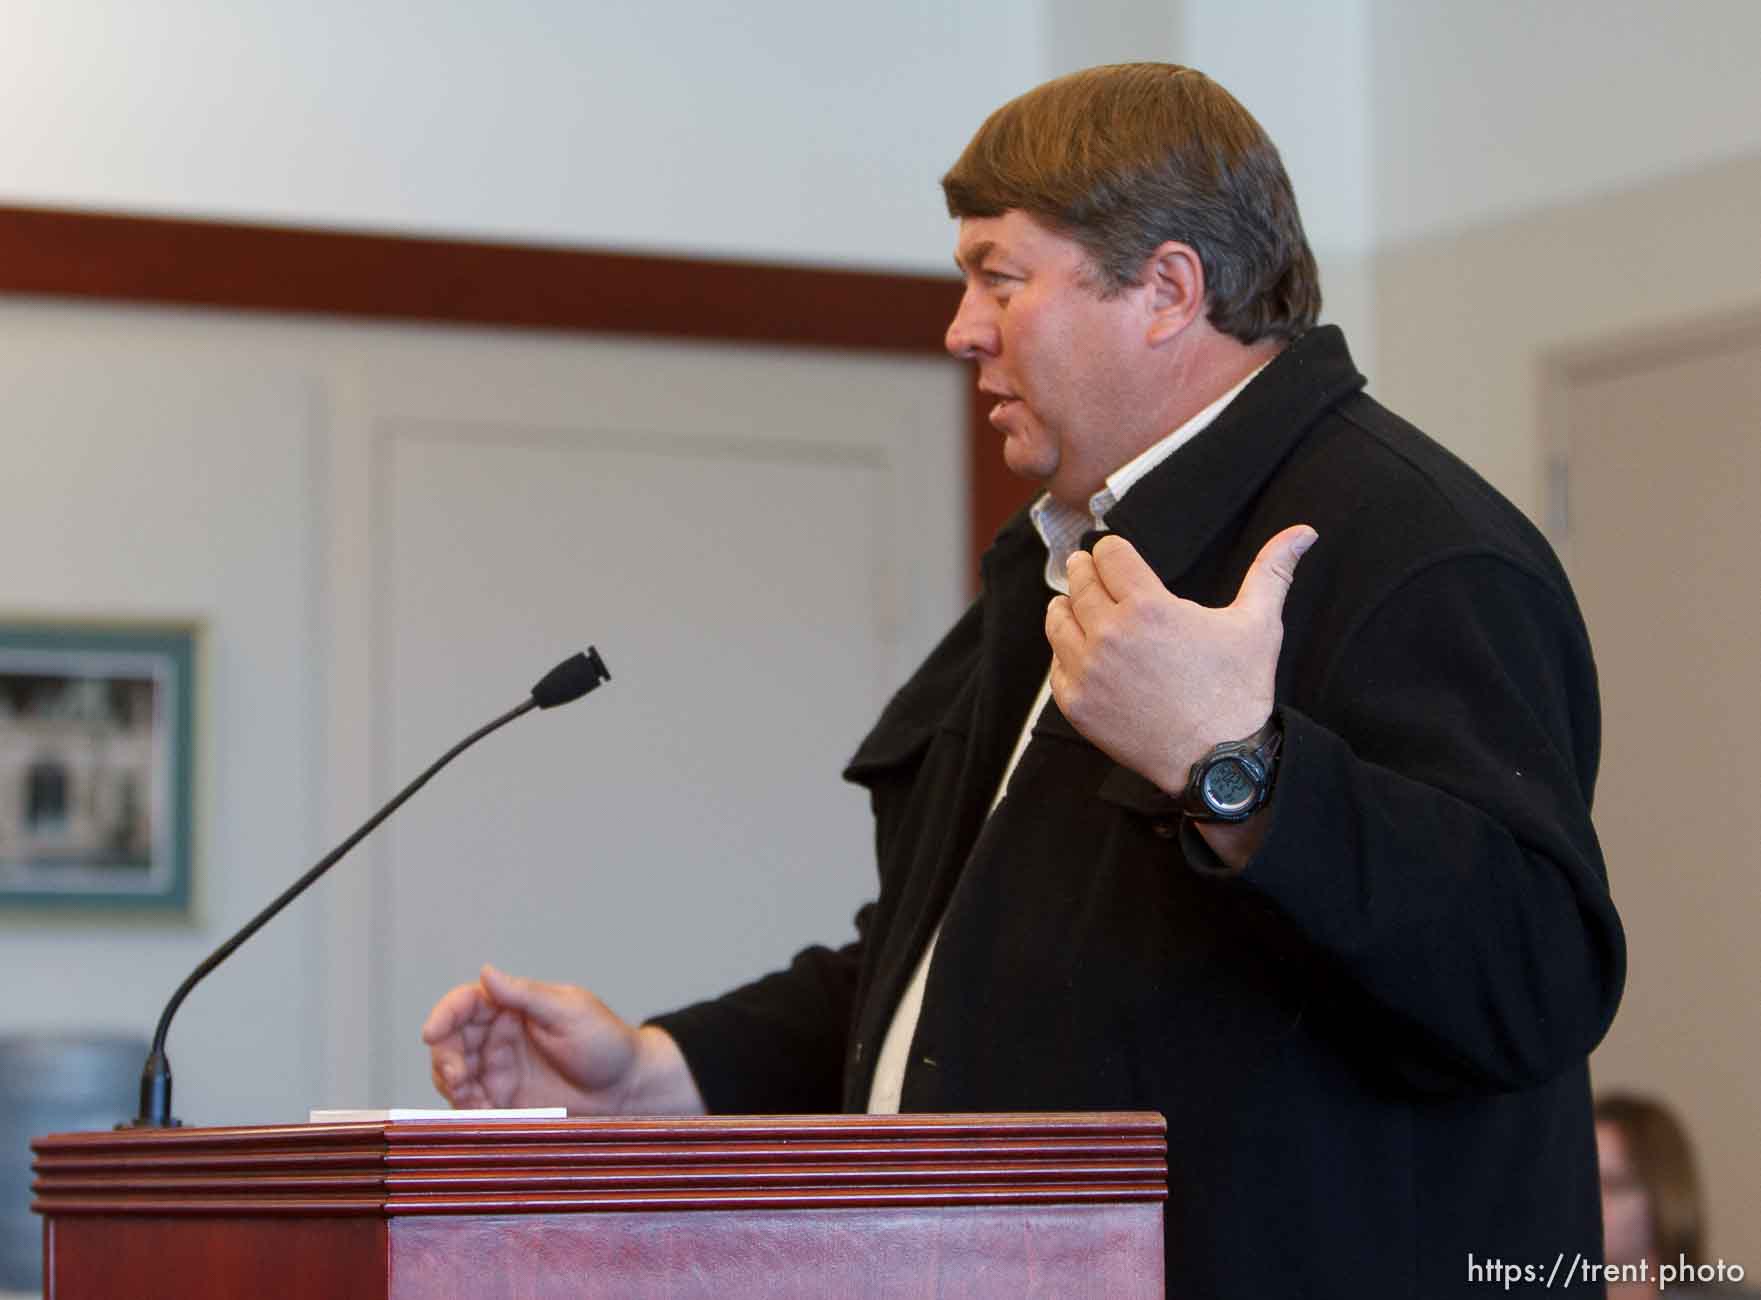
[1626, 1209]
[1058, 357]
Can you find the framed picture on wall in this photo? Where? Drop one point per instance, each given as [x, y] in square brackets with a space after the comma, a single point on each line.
[96, 754]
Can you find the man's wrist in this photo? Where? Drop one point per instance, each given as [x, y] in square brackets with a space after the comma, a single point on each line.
[663, 1083]
[1237, 843]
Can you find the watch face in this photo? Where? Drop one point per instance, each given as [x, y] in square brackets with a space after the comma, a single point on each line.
[1229, 786]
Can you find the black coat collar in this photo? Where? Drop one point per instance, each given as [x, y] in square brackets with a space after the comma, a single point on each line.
[1181, 504]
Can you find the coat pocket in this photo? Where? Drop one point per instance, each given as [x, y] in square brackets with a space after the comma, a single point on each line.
[888, 751]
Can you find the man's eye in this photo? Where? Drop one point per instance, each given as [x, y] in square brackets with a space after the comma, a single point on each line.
[1000, 287]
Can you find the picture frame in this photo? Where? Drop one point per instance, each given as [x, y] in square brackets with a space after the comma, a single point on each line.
[97, 740]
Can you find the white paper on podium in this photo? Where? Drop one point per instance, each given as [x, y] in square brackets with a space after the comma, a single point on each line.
[395, 1113]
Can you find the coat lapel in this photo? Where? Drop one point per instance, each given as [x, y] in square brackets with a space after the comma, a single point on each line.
[1175, 512]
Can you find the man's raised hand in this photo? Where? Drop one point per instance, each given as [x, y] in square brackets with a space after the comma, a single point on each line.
[1156, 681]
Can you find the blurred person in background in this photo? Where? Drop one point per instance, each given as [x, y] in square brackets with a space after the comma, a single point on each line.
[1653, 1214]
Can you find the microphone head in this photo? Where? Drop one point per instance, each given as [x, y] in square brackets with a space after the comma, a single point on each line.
[571, 679]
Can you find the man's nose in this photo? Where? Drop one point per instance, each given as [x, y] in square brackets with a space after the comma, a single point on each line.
[972, 332]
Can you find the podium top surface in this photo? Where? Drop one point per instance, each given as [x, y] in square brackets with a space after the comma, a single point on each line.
[421, 1167]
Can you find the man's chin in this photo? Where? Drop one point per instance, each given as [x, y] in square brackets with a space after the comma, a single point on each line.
[1026, 459]
[1058, 485]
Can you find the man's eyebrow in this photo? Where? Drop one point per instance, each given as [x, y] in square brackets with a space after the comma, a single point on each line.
[975, 255]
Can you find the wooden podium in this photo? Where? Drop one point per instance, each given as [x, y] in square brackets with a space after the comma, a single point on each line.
[1054, 1205]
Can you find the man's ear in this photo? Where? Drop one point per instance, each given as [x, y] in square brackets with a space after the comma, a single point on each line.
[1175, 279]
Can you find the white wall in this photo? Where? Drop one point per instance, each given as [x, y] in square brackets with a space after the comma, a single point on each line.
[815, 132]
[1485, 111]
[133, 489]
[1303, 71]
[787, 130]
[791, 131]
[387, 533]
[1547, 176]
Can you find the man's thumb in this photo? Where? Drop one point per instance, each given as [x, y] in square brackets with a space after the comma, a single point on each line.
[516, 993]
[1273, 569]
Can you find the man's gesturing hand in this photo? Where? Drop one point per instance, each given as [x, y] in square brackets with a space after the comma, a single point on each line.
[508, 1041]
[1155, 681]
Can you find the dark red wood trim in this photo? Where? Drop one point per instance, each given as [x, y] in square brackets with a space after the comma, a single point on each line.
[628, 1177]
[749, 1198]
[761, 1205]
[1025, 1130]
[404, 277]
[242, 267]
[687, 1164]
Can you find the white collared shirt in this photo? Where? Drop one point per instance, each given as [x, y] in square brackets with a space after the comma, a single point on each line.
[1061, 528]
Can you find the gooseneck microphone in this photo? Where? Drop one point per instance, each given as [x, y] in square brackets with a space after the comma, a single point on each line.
[568, 681]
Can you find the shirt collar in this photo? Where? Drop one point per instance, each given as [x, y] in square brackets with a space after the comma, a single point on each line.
[1061, 527]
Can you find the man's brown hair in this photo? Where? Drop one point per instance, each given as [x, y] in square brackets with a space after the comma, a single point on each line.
[1663, 1159]
[1124, 158]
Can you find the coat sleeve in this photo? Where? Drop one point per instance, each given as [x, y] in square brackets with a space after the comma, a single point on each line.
[1431, 834]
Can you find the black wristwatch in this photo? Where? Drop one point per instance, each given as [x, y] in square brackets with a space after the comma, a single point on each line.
[1234, 780]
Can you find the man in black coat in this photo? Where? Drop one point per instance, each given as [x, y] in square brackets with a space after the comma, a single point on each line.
[1303, 862]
